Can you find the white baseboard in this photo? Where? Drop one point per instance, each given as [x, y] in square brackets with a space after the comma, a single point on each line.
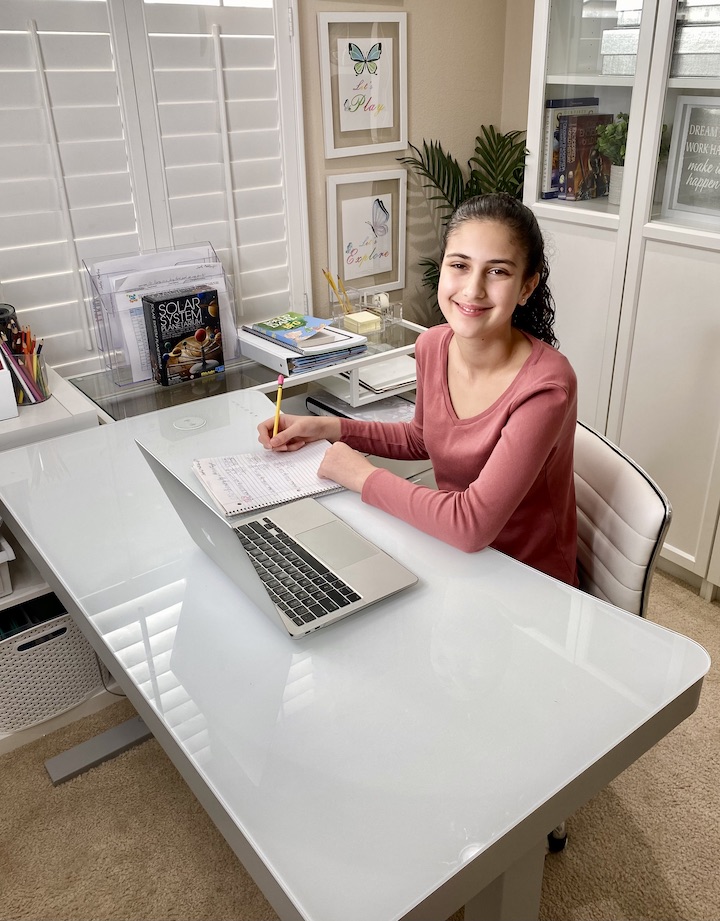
[673, 569]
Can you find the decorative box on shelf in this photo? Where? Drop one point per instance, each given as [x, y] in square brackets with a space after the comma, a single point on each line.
[696, 52]
[619, 51]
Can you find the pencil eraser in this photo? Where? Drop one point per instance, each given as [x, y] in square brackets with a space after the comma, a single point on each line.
[362, 322]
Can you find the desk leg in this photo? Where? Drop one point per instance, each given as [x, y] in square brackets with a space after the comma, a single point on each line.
[108, 744]
[515, 894]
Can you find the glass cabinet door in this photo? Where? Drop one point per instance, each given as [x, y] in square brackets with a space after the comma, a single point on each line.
[687, 164]
[591, 63]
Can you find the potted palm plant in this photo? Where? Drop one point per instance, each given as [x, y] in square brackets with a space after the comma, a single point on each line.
[612, 142]
[497, 166]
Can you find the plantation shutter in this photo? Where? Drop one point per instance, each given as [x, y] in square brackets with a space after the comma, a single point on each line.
[128, 126]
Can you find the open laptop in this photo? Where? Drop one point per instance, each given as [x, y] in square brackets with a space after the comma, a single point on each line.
[299, 563]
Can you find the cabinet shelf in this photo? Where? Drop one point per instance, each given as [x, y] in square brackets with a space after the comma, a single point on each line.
[593, 213]
[694, 83]
[589, 80]
[26, 581]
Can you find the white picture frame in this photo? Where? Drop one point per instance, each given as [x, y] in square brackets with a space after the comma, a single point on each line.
[366, 215]
[363, 79]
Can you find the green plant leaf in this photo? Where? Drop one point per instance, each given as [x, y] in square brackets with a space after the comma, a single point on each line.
[499, 162]
[442, 173]
[431, 275]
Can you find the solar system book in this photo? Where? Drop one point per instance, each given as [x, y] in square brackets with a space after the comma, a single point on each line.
[184, 338]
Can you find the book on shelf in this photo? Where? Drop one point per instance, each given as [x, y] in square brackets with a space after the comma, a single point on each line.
[554, 109]
[562, 157]
[304, 334]
[243, 483]
[183, 330]
[586, 170]
[390, 409]
[287, 362]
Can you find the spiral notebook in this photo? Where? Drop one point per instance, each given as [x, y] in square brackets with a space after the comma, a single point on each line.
[248, 482]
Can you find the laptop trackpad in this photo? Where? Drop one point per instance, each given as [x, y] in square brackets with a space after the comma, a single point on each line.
[336, 545]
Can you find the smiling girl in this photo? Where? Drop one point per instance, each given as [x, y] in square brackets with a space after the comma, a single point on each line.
[495, 410]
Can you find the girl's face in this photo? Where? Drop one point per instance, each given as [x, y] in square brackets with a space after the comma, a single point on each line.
[482, 280]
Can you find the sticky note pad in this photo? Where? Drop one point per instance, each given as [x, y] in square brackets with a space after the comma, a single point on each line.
[362, 322]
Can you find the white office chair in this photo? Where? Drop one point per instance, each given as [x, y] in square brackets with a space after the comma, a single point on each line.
[623, 517]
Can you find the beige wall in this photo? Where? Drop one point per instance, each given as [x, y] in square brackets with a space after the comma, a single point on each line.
[464, 70]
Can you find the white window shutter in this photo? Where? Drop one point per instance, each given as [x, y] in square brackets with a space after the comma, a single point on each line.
[167, 124]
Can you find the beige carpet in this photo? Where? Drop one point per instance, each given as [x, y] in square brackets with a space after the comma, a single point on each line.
[128, 840]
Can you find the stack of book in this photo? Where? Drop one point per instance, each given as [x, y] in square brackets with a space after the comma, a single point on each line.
[554, 110]
[584, 173]
[293, 343]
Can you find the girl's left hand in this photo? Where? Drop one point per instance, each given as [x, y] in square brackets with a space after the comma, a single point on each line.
[346, 466]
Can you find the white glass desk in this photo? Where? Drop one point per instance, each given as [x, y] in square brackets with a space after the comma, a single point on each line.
[399, 764]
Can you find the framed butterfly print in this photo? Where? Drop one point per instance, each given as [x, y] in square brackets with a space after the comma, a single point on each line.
[363, 76]
[366, 229]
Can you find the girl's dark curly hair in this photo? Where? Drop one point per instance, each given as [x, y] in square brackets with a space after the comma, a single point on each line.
[537, 317]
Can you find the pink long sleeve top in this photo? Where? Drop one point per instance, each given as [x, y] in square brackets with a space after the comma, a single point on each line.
[504, 477]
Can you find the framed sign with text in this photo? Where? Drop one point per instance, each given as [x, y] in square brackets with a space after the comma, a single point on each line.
[363, 76]
[692, 185]
[366, 229]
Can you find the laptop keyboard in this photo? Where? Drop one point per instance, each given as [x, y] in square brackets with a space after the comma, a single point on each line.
[299, 584]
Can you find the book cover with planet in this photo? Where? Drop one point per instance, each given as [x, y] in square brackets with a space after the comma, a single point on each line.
[184, 336]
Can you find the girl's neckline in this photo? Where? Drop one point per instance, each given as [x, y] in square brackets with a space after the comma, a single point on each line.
[535, 347]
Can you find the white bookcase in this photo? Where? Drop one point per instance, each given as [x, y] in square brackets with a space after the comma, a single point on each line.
[636, 288]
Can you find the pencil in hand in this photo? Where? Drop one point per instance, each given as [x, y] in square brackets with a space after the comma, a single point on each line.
[276, 424]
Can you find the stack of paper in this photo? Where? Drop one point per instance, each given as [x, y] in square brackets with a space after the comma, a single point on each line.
[389, 374]
[390, 409]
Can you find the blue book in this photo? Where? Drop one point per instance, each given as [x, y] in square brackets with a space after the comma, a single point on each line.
[304, 334]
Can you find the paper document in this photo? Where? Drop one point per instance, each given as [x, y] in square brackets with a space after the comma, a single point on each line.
[247, 482]
[387, 375]
[389, 409]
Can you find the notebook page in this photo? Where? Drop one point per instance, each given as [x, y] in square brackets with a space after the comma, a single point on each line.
[247, 482]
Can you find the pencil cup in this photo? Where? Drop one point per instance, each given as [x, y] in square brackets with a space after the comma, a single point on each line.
[41, 377]
[352, 302]
[30, 379]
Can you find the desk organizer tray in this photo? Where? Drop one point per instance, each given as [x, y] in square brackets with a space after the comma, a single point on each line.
[46, 664]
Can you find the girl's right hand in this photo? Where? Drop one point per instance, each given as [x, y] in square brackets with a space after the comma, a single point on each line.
[294, 432]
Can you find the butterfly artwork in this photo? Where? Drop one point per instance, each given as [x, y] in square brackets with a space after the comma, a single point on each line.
[380, 217]
[361, 61]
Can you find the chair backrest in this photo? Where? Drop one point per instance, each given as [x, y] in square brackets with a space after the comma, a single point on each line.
[623, 517]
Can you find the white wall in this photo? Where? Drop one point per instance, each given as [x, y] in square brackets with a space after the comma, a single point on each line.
[465, 69]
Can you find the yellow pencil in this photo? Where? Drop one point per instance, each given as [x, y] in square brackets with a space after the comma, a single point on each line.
[347, 306]
[276, 424]
[331, 282]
